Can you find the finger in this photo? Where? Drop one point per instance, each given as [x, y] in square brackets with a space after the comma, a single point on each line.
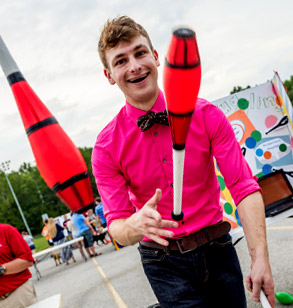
[158, 240]
[264, 301]
[271, 299]
[256, 291]
[151, 217]
[160, 232]
[155, 199]
[269, 293]
[248, 283]
[168, 224]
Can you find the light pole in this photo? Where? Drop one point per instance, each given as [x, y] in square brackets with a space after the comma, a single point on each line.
[4, 168]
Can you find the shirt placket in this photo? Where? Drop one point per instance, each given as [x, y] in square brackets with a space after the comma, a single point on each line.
[161, 141]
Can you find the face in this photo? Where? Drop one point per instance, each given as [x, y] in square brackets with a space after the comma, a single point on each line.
[133, 67]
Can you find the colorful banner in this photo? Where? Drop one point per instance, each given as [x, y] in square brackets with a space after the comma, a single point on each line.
[261, 118]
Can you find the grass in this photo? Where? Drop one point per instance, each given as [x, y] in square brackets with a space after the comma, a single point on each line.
[40, 242]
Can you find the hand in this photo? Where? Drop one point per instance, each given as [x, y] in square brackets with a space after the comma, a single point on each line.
[261, 278]
[149, 223]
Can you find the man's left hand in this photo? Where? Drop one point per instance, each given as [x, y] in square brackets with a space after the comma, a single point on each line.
[261, 278]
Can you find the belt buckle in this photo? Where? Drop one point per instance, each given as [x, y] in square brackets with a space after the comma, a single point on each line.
[4, 296]
[181, 249]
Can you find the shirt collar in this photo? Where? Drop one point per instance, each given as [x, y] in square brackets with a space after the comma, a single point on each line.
[134, 112]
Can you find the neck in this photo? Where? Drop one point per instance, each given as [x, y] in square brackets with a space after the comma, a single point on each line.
[145, 105]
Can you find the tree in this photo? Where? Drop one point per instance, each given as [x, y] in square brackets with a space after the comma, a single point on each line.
[87, 155]
[287, 83]
[238, 89]
[33, 195]
[289, 86]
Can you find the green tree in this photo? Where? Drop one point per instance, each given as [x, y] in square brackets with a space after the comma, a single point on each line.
[238, 89]
[87, 155]
[33, 195]
[287, 83]
[289, 86]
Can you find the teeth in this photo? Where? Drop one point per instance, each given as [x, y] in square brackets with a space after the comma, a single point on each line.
[138, 79]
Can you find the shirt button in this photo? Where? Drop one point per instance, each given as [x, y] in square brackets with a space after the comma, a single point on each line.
[164, 160]
[155, 134]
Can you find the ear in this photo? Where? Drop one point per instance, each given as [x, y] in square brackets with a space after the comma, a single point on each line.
[156, 55]
[108, 76]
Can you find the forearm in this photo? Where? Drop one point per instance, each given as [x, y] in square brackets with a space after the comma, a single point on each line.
[123, 232]
[252, 216]
[16, 266]
[89, 225]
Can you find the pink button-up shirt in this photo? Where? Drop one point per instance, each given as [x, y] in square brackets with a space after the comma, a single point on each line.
[129, 165]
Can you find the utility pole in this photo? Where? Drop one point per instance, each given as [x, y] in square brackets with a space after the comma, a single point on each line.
[5, 167]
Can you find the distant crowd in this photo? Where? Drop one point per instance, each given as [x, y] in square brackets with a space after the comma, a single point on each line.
[16, 251]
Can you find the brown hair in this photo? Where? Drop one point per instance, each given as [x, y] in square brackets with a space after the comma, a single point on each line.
[120, 29]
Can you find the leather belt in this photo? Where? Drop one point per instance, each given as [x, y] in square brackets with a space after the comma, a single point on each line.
[194, 240]
[4, 296]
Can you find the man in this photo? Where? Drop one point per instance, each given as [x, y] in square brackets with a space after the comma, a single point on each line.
[15, 258]
[65, 222]
[190, 263]
[85, 229]
[100, 212]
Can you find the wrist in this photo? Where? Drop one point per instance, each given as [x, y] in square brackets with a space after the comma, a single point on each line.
[133, 234]
[259, 254]
[3, 269]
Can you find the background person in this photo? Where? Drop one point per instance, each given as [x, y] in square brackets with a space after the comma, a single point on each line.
[55, 232]
[92, 219]
[16, 290]
[99, 211]
[132, 164]
[45, 232]
[29, 240]
[75, 234]
[86, 230]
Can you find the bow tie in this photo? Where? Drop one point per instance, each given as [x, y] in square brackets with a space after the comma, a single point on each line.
[149, 119]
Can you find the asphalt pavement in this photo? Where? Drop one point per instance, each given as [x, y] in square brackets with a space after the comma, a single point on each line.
[115, 279]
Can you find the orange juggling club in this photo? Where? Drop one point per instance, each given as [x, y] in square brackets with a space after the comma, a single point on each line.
[58, 159]
[181, 80]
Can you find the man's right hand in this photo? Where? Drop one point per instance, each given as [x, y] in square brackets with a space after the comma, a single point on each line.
[147, 222]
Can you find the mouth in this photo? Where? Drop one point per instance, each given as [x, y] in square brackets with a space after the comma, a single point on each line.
[139, 79]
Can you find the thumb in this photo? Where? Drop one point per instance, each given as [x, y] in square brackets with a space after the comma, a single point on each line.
[155, 199]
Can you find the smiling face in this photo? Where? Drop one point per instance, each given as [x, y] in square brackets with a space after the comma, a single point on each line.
[133, 67]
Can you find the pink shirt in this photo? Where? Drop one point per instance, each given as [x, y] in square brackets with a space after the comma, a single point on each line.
[129, 165]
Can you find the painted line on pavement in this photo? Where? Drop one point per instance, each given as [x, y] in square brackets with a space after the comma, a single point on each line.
[280, 228]
[117, 299]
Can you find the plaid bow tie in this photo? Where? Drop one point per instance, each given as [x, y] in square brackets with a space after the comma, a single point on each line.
[149, 119]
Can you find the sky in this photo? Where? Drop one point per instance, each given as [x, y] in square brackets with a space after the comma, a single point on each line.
[54, 43]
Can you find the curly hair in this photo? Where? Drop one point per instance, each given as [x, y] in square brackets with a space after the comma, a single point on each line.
[120, 29]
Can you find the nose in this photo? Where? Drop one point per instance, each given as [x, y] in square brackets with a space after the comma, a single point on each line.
[134, 65]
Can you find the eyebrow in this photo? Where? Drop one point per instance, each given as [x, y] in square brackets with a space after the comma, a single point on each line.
[134, 49]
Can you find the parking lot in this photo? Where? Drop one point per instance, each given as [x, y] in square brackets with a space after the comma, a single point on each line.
[116, 278]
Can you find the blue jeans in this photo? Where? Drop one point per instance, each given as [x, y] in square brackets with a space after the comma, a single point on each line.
[207, 277]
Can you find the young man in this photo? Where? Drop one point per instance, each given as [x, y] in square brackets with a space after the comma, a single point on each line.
[191, 263]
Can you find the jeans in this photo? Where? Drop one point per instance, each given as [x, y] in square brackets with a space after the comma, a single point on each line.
[207, 277]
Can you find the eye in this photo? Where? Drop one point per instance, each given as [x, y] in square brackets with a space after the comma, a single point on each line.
[119, 62]
[140, 53]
